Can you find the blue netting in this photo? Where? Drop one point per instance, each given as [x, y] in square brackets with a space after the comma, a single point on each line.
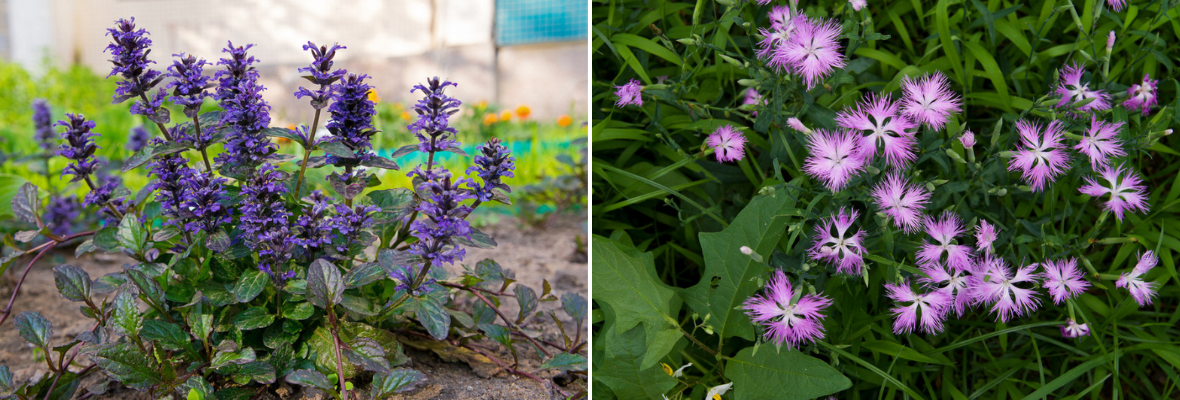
[538, 21]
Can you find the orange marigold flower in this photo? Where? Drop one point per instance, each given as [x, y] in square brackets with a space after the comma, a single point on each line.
[489, 119]
[564, 121]
[523, 111]
[373, 97]
[506, 116]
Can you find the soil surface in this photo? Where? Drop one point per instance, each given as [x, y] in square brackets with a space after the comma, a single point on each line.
[452, 372]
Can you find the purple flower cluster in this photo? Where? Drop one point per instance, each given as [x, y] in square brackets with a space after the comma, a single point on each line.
[264, 221]
[105, 191]
[789, 316]
[321, 73]
[434, 111]
[1072, 90]
[245, 112]
[130, 50]
[138, 138]
[444, 216]
[629, 94]
[404, 276]
[43, 125]
[352, 119]
[170, 191]
[349, 223]
[314, 226]
[801, 45]
[79, 147]
[60, 214]
[493, 163]
[204, 202]
[188, 84]
[728, 143]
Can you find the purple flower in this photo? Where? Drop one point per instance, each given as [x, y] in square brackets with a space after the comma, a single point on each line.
[1116, 5]
[1073, 329]
[728, 143]
[841, 247]
[79, 147]
[204, 202]
[782, 26]
[902, 201]
[1126, 191]
[314, 225]
[170, 191]
[1063, 279]
[130, 49]
[629, 94]
[43, 125]
[275, 248]
[985, 234]
[857, 4]
[834, 158]
[349, 224]
[104, 193]
[996, 285]
[432, 128]
[932, 307]
[1041, 156]
[493, 163]
[793, 323]
[1142, 96]
[444, 216]
[879, 118]
[188, 86]
[1101, 142]
[968, 139]
[944, 230]
[245, 113]
[1072, 90]
[952, 283]
[929, 100]
[261, 203]
[60, 214]
[1133, 281]
[138, 138]
[812, 51]
[321, 73]
[752, 97]
[796, 124]
[352, 119]
[405, 274]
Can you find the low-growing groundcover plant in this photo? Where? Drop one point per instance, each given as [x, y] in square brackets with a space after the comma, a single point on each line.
[950, 199]
[243, 276]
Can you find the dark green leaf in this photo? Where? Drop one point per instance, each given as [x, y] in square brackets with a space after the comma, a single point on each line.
[107, 239]
[399, 380]
[257, 371]
[127, 320]
[126, 364]
[131, 233]
[250, 284]
[218, 241]
[26, 204]
[238, 356]
[253, 318]
[336, 149]
[433, 316]
[83, 248]
[574, 305]
[309, 378]
[359, 305]
[497, 333]
[72, 282]
[380, 162]
[298, 311]
[527, 299]
[364, 274]
[404, 150]
[619, 366]
[147, 286]
[284, 333]
[782, 375]
[283, 133]
[325, 286]
[34, 328]
[367, 354]
[478, 240]
[565, 362]
[628, 285]
[169, 335]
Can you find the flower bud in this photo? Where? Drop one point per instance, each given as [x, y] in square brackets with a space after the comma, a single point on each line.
[796, 124]
[968, 139]
[1110, 43]
[746, 250]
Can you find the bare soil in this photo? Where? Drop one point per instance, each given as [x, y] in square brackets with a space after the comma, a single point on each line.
[452, 372]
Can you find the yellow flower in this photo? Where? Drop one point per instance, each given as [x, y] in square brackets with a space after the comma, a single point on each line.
[489, 119]
[564, 121]
[373, 97]
[667, 368]
[522, 111]
[406, 116]
[506, 116]
[482, 105]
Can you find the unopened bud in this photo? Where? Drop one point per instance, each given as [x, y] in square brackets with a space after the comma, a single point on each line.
[731, 60]
[747, 250]
[1110, 43]
[1167, 132]
[747, 82]
[655, 86]
[955, 156]
[796, 124]
[968, 139]
[1001, 192]
[873, 170]
[750, 252]
[688, 41]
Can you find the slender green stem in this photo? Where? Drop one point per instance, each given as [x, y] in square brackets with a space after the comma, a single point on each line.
[307, 148]
[204, 153]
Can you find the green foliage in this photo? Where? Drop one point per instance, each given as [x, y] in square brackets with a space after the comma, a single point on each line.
[669, 221]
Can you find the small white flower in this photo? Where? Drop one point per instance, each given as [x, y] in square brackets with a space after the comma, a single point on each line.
[715, 392]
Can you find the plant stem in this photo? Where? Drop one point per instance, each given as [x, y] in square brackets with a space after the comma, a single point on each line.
[336, 346]
[110, 207]
[204, 153]
[348, 172]
[307, 148]
[509, 322]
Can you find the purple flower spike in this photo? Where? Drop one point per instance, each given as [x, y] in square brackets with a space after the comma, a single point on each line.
[813, 51]
[628, 94]
[405, 274]
[444, 216]
[932, 307]
[1126, 191]
[189, 84]
[349, 224]
[246, 113]
[60, 214]
[794, 324]
[879, 118]
[1141, 290]
[1063, 279]
[130, 49]
[1074, 330]
[204, 204]
[104, 193]
[728, 143]
[943, 230]
[1072, 90]
[432, 128]
[929, 100]
[902, 201]
[320, 73]
[1041, 156]
[314, 225]
[170, 191]
[996, 285]
[352, 119]
[840, 248]
[985, 234]
[43, 125]
[950, 282]
[261, 203]
[1101, 142]
[835, 158]
[79, 147]
[138, 139]
[493, 163]
[1142, 96]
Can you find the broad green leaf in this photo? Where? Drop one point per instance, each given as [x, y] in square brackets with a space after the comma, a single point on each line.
[9, 185]
[363, 274]
[169, 335]
[783, 374]
[309, 378]
[72, 282]
[431, 314]
[366, 353]
[253, 318]
[398, 380]
[565, 362]
[226, 357]
[325, 286]
[26, 205]
[620, 369]
[126, 364]
[625, 281]
[647, 45]
[34, 328]
[298, 311]
[284, 333]
[127, 320]
[249, 285]
[257, 371]
[132, 234]
[527, 299]
[147, 286]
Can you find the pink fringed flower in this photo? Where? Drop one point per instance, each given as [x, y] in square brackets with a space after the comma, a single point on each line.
[1142, 96]
[629, 94]
[1141, 290]
[812, 51]
[1071, 89]
[839, 247]
[929, 100]
[834, 158]
[943, 230]
[1100, 143]
[795, 323]
[997, 286]
[968, 139]
[932, 307]
[1126, 191]
[985, 234]
[950, 282]
[1042, 156]
[878, 117]
[1063, 279]
[1074, 330]
[1116, 5]
[752, 97]
[857, 4]
[782, 28]
[902, 201]
[728, 143]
